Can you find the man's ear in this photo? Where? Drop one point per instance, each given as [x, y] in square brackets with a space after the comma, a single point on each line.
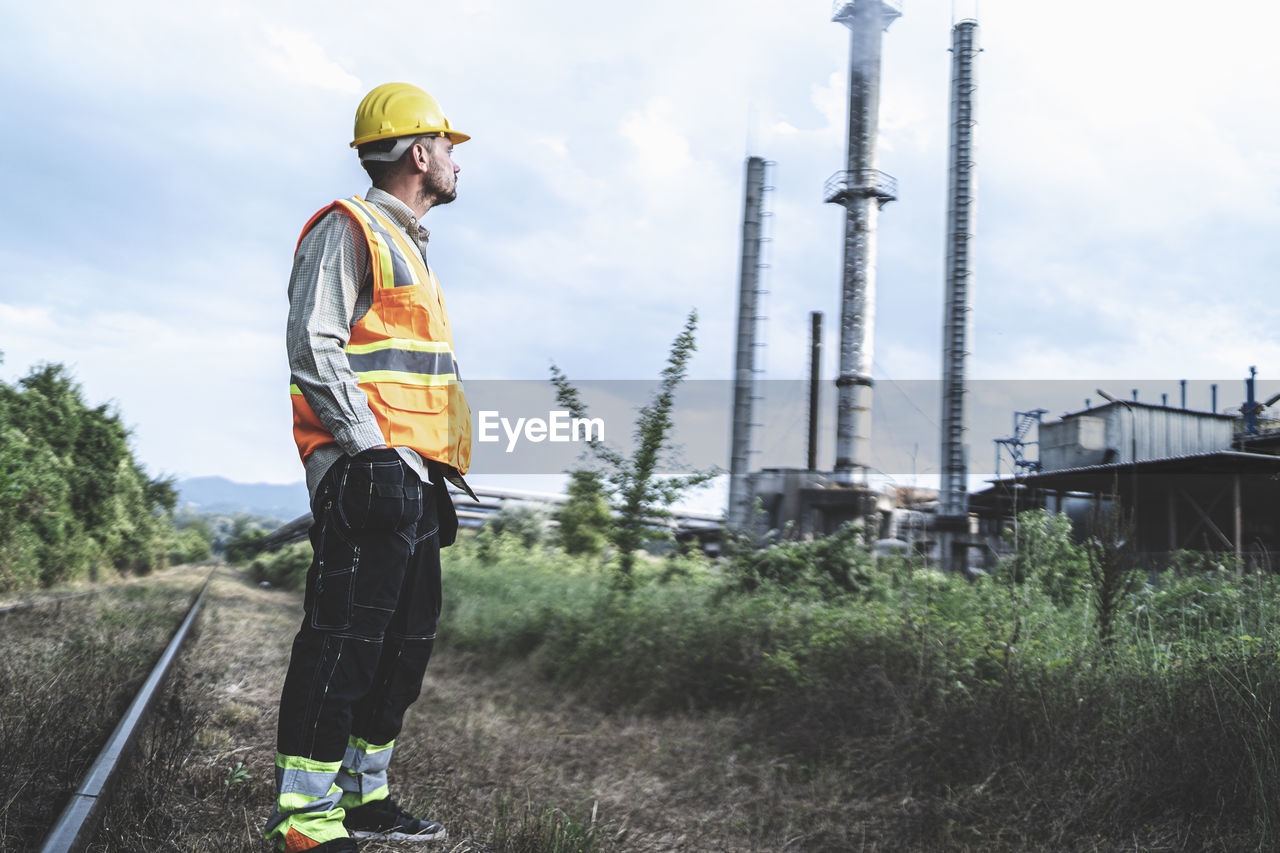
[422, 156]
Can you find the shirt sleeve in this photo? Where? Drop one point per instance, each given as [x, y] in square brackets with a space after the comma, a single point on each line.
[325, 286]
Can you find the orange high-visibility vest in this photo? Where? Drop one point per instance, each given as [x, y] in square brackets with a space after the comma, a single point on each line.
[401, 352]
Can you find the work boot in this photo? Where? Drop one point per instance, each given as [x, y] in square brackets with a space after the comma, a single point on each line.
[384, 820]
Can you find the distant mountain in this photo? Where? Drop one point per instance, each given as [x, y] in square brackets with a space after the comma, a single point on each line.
[218, 494]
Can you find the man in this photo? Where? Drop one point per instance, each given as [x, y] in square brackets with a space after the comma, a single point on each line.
[381, 422]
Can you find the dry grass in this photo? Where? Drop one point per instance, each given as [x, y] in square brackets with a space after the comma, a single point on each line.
[66, 674]
[505, 761]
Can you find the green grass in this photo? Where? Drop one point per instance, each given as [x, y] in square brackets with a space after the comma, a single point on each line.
[991, 706]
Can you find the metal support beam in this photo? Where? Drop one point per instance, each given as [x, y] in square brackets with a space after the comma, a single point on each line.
[1205, 520]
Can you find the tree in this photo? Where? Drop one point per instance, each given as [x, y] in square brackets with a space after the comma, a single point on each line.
[642, 497]
[72, 497]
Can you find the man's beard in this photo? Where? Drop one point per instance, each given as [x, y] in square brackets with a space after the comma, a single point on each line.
[437, 189]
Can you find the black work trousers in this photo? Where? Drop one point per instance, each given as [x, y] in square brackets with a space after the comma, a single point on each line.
[372, 601]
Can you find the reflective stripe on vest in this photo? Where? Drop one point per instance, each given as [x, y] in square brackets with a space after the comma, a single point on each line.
[428, 362]
[390, 269]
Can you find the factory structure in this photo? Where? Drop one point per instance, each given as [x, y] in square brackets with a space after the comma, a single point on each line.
[1189, 478]
[816, 502]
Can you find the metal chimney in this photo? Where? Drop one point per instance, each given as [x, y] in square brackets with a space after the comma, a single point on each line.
[815, 389]
[863, 191]
[953, 497]
[745, 359]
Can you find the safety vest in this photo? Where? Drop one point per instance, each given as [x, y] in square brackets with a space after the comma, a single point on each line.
[401, 352]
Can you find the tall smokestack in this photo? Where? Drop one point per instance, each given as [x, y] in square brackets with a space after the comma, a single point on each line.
[745, 360]
[815, 390]
[863, 191]
[953, 497]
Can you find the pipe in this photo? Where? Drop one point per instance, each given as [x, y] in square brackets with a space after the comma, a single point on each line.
[815, 387]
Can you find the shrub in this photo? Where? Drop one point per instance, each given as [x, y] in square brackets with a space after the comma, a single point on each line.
[524, 522]
[834, 565]
[285, 568]
[584, 519]
[190, 545]
[245, 544]
[1045, 555]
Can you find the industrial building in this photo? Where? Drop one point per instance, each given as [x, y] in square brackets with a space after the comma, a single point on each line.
[1189, 479]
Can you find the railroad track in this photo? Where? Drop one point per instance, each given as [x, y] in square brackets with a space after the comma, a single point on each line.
[78, 822]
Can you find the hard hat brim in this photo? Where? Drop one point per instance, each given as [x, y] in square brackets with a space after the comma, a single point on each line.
[455, 137]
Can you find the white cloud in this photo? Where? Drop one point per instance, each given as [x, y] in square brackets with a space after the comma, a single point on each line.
[297, 58]
[659, 147]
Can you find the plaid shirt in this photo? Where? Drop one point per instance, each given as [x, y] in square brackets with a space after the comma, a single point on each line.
[330, 290]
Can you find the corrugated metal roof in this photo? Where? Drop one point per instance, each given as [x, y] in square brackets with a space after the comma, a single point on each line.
[1228, 462]
[1139, 405]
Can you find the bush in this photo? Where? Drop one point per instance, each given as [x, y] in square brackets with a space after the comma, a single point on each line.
[286, 568]
[1045, 554]
[20, 552]
[832, 566]
[584, 519]
[516, 526]
[245, 545]
[190, 545]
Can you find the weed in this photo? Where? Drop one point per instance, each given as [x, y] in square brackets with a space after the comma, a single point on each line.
[237, 774]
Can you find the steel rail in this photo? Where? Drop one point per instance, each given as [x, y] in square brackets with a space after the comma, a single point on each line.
[79, 820]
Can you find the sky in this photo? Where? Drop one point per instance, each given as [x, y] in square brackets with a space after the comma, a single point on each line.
[161, 159]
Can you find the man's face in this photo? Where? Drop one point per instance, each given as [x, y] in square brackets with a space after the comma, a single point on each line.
[441, 179]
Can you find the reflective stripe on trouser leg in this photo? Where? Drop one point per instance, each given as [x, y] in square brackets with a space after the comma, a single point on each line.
[363, 777]
[307, 813]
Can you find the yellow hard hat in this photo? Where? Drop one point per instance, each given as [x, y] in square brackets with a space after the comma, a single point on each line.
[399, 109]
